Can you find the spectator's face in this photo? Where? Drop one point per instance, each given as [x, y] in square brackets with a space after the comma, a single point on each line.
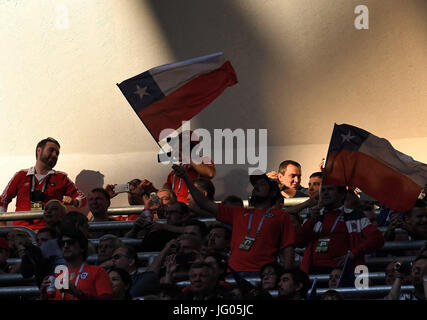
[70, 248]
[119, 287]
[202, 280]
[187, 246]
[214, 264]
[419, 271]
[261, 189]
[174, 214]
[334, 277]
[98, 204]
[291, 177]
[52, 213]
[217, 239]
[286, 285]
[418, 220]
[314, 186]
[193, 230]
[390, 273]
[42, 237]
[329, 196]
[105, 250]
[49, 154]
[269, 278]
[121, 260]
[165, 197]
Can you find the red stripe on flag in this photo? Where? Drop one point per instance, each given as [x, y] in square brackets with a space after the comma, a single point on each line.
[188, 100]
[388, 186]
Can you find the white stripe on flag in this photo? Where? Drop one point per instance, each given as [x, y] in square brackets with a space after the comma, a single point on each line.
[170, 77]
[383, 151]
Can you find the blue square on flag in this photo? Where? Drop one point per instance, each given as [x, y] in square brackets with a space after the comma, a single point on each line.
[141, 91]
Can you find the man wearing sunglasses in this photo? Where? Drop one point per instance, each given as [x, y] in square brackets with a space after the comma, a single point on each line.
[86, 282]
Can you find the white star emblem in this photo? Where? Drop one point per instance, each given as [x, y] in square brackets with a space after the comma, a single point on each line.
[141, 92]
[347, 137]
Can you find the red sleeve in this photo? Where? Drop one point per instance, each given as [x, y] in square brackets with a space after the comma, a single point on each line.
[9, 192]
[73, 192]
[374, 240]
[168, 183]
[288, 231]
[305, 235]
[226, 213]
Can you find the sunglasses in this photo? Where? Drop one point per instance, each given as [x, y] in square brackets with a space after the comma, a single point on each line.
[70, 242]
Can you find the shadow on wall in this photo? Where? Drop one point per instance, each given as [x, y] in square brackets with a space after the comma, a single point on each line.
[236, 180]
[87, 180]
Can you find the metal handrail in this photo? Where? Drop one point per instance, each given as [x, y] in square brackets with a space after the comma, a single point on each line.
[14, 278]
[27, 291]
[31, 233]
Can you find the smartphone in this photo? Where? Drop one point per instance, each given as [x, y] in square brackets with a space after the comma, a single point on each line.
[120, 188]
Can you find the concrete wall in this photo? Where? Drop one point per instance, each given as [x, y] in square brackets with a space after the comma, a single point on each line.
[301, 66]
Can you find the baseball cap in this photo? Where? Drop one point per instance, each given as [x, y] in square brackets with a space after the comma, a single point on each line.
[3, 243]
[273, 184]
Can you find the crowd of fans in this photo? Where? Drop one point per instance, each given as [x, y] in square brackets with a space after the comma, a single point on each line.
[261, 251]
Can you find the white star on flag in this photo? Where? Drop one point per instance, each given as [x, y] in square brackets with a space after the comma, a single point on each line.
[141, 92]
[347, 137]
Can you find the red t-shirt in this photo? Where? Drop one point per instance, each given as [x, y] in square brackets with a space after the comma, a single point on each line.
[94, 282]
[277, 232]
[178, 185]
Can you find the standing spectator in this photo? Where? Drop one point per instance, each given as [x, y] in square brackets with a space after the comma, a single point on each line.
[121, 282]
[260, 234]
[107, 244]
[334, 230]
[418, 279]
[289, 179]
[86, 282]
[293, 284]
[143, 283]
[35, 186]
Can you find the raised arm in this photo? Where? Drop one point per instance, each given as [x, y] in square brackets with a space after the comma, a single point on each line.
[198, 196]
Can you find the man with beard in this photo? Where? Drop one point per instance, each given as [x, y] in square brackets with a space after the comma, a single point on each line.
[35, 186]
[261, 233]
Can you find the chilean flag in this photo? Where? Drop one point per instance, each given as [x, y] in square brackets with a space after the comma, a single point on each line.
[164, 96]
[360, 159]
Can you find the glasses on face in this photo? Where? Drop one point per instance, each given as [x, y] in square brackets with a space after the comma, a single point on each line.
[70, 242]
[118, 256]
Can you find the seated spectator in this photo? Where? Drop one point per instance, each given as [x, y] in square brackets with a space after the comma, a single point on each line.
[16, 238]
[143, 283]
[156, 235]
[270, 274]
[86, 282]
[418, 278]
[331, 295]
[107, 244]
[334, 230]
[45, 234]
[293, 285]
[121, 282]
[219, 262]
[289, 179]
[203, 284]
[54, 212]
[391, 274]
[206, 187]
[168, 291]
[334, 278]
[197, 228]
[4, 255]
[233, 201]
[219, 238]
[167, 197]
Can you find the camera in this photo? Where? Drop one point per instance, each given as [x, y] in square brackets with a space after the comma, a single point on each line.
[403, 267]
[184, 258]
[120, 188]
[37, 196]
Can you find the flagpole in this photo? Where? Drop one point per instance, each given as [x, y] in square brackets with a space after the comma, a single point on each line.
[327, 155]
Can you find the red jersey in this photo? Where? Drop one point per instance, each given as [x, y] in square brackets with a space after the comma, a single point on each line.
[276, 232]
[93, 282]
[59, 185]
[178, 185]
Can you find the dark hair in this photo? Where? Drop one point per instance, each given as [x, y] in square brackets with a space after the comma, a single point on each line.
[286, 163]
[233, 201]
[206, 185]
[278, 268]
[222, 226]
[420, 257]
[318, 174]
[126, 278]
[103, 191]
[74, 233]
[331, 293]
[74, 218]
[221, 259]
[199, 265]
[200, 224]
[43, 142]
[52, 231]
[300, 277]
[131, 253]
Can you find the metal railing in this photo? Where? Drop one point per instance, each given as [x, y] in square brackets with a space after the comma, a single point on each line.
[5, 230]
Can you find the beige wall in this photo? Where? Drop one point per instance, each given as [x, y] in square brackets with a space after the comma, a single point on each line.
[301, 67]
